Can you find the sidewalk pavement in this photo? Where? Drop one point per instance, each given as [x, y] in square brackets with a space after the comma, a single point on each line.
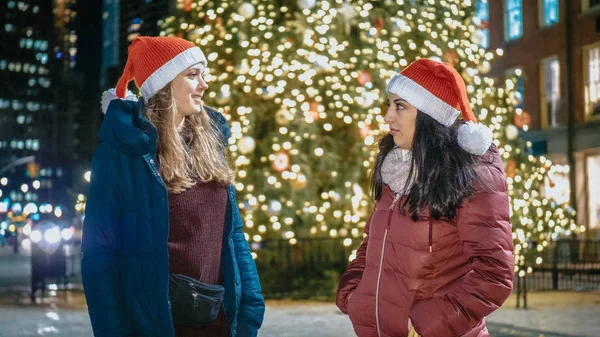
[569, 313]
[550, 315]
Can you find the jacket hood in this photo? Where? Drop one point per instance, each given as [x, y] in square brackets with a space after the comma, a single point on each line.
[125, 128]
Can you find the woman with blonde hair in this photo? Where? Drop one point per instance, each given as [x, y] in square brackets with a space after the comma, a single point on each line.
[163, 249]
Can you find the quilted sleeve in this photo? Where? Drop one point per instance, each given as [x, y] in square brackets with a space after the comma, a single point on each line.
[353, 274]
[486, 240]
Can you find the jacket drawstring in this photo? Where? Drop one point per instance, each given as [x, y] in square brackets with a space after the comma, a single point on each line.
[430, 234]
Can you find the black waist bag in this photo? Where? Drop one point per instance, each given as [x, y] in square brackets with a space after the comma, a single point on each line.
[193, 303]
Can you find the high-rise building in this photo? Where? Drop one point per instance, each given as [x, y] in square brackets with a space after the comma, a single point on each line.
[27, 106]
[88, 70]
[110, 41]
[123, 21]
[68, 80]
[36, 113]
[555, 45]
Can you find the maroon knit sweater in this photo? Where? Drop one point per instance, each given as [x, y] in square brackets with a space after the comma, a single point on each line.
[197, 223]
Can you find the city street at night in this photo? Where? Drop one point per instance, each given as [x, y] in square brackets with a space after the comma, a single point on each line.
[64, 313]
[242, 167]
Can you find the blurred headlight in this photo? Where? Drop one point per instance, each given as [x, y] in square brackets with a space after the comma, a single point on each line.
[35, 236]
[27, 230]
[52, 235]
[66, 234]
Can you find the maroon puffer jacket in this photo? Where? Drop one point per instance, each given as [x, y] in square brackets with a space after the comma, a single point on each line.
[445, 275]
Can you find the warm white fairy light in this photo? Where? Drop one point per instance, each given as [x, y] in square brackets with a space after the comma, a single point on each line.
[311, 81]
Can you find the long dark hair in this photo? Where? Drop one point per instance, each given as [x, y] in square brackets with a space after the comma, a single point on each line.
[442, 172]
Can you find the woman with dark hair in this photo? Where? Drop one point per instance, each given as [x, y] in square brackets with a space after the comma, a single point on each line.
[437, 255]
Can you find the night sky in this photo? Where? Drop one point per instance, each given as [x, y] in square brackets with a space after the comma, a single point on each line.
[89, 29]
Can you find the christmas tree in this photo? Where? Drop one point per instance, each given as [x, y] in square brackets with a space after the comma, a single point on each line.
[303, 85]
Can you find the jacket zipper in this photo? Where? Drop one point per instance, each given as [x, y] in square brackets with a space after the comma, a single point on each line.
[154, 169]
[396, 198]
[430, 234]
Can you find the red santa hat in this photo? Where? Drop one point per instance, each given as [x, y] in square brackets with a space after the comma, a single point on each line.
[153, 62]
[438, 90]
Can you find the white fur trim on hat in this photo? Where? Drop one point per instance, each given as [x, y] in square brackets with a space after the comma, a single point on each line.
[110, 95]
[168, 71]
[422, 99]
[475, 138]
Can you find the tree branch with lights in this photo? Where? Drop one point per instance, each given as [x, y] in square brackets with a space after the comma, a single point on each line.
[302, 83]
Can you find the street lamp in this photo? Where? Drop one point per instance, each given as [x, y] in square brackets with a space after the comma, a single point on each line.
[24, 188]
[57, 212]
[87, 176]
[30, 208]
[36, 184]
[4, 181]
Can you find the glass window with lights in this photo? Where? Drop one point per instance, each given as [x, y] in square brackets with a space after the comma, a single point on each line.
[589, 4]
[593, 179]
[519, 88]
[481, 21]
[550, 92]
[556, 184]
[592, 82]
[549, 12]
[513, 19]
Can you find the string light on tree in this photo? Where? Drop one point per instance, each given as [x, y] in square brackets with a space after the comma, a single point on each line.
[305, 98]
[307, 4]
[247, 145]
[247, 10]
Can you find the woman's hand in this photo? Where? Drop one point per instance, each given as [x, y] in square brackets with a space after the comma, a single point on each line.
[411, 330]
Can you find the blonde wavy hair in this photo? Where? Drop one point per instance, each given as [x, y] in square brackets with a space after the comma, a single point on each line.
[189, 153]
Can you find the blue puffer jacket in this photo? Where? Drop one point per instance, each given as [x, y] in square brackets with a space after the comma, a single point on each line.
[125, 259]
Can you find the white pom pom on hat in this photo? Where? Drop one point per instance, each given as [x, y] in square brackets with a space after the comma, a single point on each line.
[437, 89]
[475, 138]
[110, 95]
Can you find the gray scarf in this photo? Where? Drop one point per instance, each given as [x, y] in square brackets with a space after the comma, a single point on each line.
[395, 169]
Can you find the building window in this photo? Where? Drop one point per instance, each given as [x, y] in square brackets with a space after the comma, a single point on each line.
[592, 81]
[593, 178]
[556, 184]
[550, 92]
[588, 4]
[481, 21]
[519, 90]
[549, 12]
[133, 30]
[513, 19]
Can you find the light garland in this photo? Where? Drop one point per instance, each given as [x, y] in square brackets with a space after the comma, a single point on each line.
[303, 88]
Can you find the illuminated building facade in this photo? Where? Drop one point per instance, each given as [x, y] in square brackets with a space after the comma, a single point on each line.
[556, 45]
[37, 109]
